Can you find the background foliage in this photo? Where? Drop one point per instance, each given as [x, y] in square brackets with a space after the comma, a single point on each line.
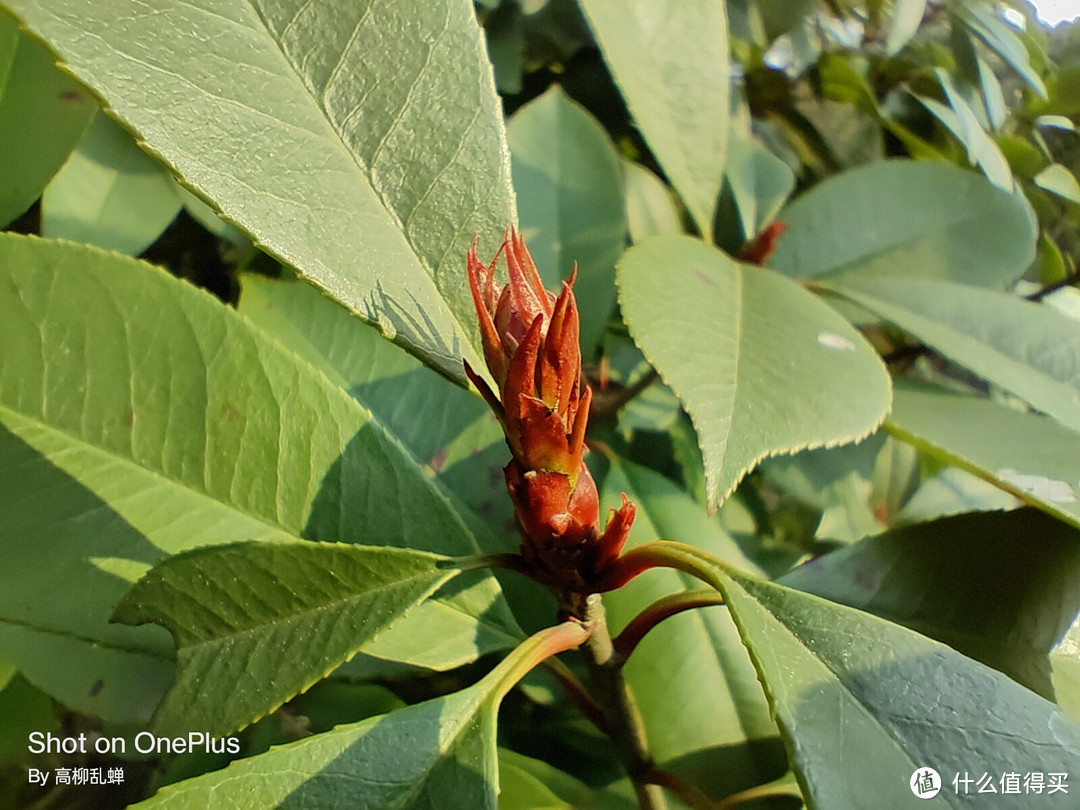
[874, 426]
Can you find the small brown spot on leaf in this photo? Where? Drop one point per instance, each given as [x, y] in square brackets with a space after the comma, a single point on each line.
[705, 279]
[96, 688]
[438, 460]
[71, 95]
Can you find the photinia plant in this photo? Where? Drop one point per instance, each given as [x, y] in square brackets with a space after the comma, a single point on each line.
[750, 482]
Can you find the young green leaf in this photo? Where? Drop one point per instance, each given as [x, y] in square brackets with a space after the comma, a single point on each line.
[1033, 457]
[566, 173]
[761, 365]
[345, 138]
[140, 417]
[672, 65]
[922, 220]
[439, 753]
[257, 623]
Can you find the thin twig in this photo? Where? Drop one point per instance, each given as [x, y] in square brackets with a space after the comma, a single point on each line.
[661, 609]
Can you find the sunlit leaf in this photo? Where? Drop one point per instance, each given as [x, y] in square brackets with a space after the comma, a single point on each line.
[299, 122]
[762, 366]
[257, 623]
[672, 64]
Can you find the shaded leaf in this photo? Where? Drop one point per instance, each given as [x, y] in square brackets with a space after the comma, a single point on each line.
[298, 122]
[141, 417]
[1002, 588]
[759, 183]
[650, 209]
[109, 193]
[257, 623]
[433, 754]
[1030, 350]
[43, 113]
[846, 686]
[717, 731]
[1031, 456]
[926, 220]
[567, 174]
[672, 65]
[734, 342]
[526, 784]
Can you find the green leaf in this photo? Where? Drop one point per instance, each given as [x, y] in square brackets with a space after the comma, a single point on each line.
[1065, 671]
[762, 366]
[926, 220]
[299, 122]
[906, 18]
[109, 193]
[717, 732]
[140, 417]
[566, 172]
[1030, 350]
[650, 209]
[672, 65]
[1002, 40]
[759, 182]
[852, 691]
[526, 784]
[1034, 458]
[439, 753]
[1058, 180]
[1002, 588]
[964, 123]
[273, 618]
[43, 113]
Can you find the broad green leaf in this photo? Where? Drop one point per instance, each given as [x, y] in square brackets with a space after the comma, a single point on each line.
[448, 430]
[42, 116]
[718, 705]
[299, 122]
[257, 623]
[1058, 180]
[672, 64]
[1031, 456]
[984, 23]
[759, 183]
[906, 17]
[762, 366]
[1000, 587]
[566, 172]
[439, 753]
[527, 784]
[851, 691]
[140, 417]
[650, 209]
[1030, 350]
[926, 220]
[109, 193]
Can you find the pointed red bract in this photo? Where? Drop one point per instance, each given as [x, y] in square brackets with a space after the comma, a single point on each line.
[530, 340]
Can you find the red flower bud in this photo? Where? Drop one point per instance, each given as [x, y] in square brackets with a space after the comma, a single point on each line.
[531, 347]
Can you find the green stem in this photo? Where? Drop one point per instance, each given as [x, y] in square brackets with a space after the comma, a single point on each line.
[620, 719]
[628, 639]
[535, 649]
